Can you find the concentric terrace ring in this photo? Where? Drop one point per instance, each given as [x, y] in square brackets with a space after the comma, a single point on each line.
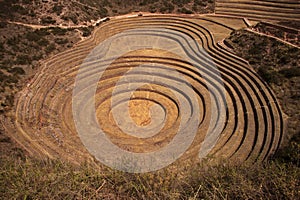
[95, 139]
[187, 99]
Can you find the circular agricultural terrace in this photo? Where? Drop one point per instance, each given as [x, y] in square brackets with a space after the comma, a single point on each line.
[247, 122]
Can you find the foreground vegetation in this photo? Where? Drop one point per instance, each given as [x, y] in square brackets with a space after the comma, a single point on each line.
[32, 179]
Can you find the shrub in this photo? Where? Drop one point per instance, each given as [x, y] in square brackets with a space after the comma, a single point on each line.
[32, 36]
[180, 3]
[48, 20]
[3, 24]
[19, 9]
[42, 32]
[26, 1]
[185, 11]
[31, 13]
[61, 40]
[58, 31]
[17, 71]
[23, 59]
[290, 72]
[50, 48]
[147, 2]
[103, 12]
[152, 9]
[12, 79]
[57, 9]
[13, 41]
[269, 75]
[86, 31]
[37, 56]
[43, 42]
[201, 2]
[167, 7]
[74, 19]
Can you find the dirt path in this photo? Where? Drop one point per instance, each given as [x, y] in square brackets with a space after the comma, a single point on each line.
[270, 36]
[35, 26]
[94, 23]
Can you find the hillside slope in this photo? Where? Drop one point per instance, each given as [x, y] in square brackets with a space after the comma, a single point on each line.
[278, 63]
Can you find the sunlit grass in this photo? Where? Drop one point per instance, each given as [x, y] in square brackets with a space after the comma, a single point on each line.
[34, 179]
